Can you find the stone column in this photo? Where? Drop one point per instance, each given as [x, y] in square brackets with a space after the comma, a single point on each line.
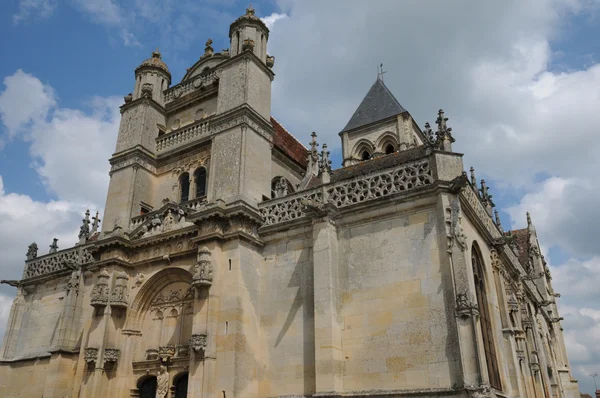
[327, 302]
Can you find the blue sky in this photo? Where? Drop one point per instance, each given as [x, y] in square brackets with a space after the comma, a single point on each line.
[520, 83]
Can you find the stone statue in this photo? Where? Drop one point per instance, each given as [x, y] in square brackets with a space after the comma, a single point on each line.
[54, 246]
[162, 387]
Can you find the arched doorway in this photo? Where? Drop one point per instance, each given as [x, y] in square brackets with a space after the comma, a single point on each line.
[181, 386]
[147, 387]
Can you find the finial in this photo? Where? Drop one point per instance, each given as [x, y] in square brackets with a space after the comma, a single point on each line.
[84, 230]
[208, 50]
[430, 141]
[443, 134]
[96, 222]
[250, 10]
[529, 223]
[498, 221]
[313, 142]
[54, 246]
[156, 53]
[473, 179]
[325, 165]
[486, 198]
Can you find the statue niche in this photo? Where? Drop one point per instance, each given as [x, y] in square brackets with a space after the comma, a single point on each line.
[167, 326]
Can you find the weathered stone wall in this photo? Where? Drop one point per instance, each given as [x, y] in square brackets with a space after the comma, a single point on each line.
[26, 377]
[287, 318]
[191, 114]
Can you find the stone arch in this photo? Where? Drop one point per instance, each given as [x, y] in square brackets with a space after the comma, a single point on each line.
[150, 289]
[361, 147]
[385, 141]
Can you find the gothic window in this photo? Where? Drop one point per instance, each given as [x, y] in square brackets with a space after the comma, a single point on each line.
[485, 319]
[200, 180]
[147, 388]
[181, 386]
[365, 155]
[184, 184]
[389, 149]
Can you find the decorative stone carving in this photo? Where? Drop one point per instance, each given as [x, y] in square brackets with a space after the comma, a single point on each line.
[100, 292]
[120, 293]
[84, 230]
[67, 259]
[182, 350]
[151, 354]
[171, 219]
[95, 222]
[90, 355]
[147, 89]
[208, 50]
[475, 203]
[454, 226]
[139, 280]
[486, 198]
[53, 246]
[162, 385]
[32, 250]
[465, 307]
[203, 270]
[128, 98]
[325, 165]
[198, 343]
[73, 282]
[288, 208]
[111, 355]
[248, 45]
[165, 353]
[482, 391]
[374, 186]
[443, 134]
[520, 355]
[281, 187]
[270, 61]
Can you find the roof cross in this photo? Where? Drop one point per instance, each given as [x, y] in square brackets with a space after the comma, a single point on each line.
[380, 72]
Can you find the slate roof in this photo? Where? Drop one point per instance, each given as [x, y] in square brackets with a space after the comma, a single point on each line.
[378, 104]
[521, 237]
[289, 145]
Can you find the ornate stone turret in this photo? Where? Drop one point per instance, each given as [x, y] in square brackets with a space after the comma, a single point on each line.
[325, 165]
[203, 270]
[120, 293]
[249, 33]
[100, 292]
[151, 78]
[443, 134]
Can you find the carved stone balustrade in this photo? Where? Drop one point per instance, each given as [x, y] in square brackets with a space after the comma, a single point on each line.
[90, 355]
[151, 354]
[111, 355]
[100, 292]
[203, 270]
[120, 294]
[55, 262]
[182, 136]
[195, 83]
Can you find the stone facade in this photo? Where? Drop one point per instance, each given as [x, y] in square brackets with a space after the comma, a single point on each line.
[234, 262]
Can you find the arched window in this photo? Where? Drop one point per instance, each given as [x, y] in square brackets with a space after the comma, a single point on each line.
[147, 388]
[181, 385]
[200, 181]
[184, 184]
[484, 316]
[389, 149]
[365, 155]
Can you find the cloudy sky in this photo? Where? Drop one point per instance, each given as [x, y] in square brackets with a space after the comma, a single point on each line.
[520, 82]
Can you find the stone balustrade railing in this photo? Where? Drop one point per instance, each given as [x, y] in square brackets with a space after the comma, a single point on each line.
[181, 136]
[72, 258]
[196, 204]
[139, 220]
[381, 183]
[183, 88]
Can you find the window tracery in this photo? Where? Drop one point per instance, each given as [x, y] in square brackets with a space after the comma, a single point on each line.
[485, 318]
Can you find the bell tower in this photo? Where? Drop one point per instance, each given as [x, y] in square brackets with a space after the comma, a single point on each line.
[132, 172]
[242, 143]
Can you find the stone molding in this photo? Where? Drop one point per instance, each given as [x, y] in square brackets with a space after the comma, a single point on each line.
[198, 82]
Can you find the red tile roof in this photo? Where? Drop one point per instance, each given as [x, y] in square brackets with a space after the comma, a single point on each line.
[289, 145]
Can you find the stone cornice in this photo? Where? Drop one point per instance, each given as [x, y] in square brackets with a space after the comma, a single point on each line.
[248, 56]
[137, 155]
[242, 115]
[144, 101]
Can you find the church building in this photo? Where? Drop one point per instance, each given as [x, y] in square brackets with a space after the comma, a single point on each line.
[234, 262]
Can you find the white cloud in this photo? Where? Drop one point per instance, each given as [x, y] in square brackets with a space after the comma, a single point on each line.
[271, 19]
[69, 147]
[102, 11]
[24, 100]
[34, 8]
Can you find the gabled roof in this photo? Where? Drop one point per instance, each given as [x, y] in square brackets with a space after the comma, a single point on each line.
[378, 104]
[289, 145]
